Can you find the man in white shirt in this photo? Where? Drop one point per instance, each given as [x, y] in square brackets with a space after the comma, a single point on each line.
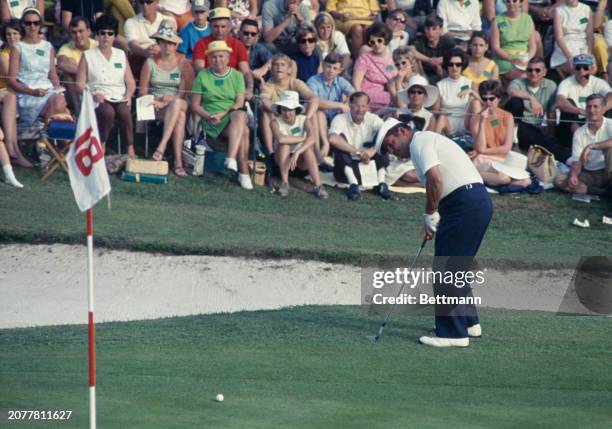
[572, 94]
[461, 18]
[591, 160]
[351, 136]
[458, 211]
[140, 28]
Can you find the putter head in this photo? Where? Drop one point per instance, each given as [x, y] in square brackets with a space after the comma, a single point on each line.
[372, 338]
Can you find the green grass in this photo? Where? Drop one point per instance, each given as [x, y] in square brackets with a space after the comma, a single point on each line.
[212, 216]
[309, 367]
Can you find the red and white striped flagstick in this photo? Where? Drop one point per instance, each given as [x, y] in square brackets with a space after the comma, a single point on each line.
[91, 325]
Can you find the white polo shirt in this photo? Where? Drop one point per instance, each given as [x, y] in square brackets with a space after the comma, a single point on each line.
[572, 90]
[460, 18]
[356, 134]
[583, 137]
[428, 149]
[138, 29]
[107, 76]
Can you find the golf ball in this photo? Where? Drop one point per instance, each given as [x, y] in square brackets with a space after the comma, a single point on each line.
[220, 397]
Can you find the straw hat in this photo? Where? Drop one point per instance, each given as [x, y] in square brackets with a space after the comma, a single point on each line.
[218, 46]
[220, 13]
[290, 100]
[514, 166]
[167, 32]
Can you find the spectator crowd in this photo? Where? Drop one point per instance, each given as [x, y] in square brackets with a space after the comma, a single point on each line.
[318, 78]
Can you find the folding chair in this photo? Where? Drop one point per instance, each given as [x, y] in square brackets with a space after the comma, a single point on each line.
[57, 139]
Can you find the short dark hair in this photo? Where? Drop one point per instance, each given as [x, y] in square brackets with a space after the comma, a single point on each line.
[249, 21]
[481, 35]
[74, 22]
[14, 24]
[491, 86]
[537, 60]
[433, 21]
[378, 29]
[455, 52]
[358, 94]
[106, 22]
[595, 97]
[333, 58]
[304, 30]
[396, 11]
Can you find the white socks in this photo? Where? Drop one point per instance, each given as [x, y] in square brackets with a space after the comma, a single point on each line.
[350, 175]
[382, 175]
[231, 164]
[9, 177]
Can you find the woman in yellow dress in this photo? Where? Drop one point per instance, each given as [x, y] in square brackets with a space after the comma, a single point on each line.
[480, 67]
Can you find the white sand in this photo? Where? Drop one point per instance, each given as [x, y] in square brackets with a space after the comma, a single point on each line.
[47, 285]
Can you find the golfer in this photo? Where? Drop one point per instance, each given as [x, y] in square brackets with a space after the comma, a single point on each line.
[458, 211]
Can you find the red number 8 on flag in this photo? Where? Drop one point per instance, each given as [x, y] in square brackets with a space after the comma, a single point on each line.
[92, 152]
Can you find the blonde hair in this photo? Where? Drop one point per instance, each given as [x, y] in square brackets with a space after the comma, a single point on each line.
[405, 52]
[321, 18]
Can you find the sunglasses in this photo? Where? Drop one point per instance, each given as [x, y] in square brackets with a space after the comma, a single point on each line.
[582, 67]
[249, 33]
[399, 19]
[533, 70]
[492, 98]
[31, 23]
[146, 1]
[105, 33]
[376, 41]
[416, 91]
[512, 1]
[454, 65]
[308, 40]
[401, 63]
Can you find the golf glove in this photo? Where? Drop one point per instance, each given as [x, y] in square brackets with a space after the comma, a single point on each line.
[432, 220]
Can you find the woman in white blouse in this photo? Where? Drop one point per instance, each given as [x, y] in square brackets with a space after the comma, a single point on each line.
[107, 73]
[573, 26]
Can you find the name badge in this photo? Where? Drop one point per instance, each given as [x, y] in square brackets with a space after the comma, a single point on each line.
[40, 52]
[584, 20]
[582, 99]
[465, 87]
[296, 130]
[219, 82]
[390, 68]
[488, 74]
[174, 76]
[14, 3]
[467, 3]
[117, 65]
[495, 122]
[502, 24]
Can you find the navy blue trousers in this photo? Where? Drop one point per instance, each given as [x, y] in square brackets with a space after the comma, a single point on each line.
[465, 215]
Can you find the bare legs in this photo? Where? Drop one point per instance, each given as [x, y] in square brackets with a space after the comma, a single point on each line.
[9, 125]
[106, 113]
[174, 118]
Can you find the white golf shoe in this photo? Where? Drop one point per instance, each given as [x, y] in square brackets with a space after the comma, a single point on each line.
[444, 342]
[475, 331]
[245, 181]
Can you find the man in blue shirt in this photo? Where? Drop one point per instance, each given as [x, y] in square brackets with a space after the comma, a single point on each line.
[196, 29]
[259, 54]
[333, 91]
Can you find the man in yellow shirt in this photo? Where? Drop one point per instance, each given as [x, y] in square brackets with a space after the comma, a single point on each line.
[69, 56]
[352, 18]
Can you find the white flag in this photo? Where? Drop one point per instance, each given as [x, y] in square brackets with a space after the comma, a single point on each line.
[86, 166]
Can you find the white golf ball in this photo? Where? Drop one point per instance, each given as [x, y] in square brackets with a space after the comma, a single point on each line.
[220, 397]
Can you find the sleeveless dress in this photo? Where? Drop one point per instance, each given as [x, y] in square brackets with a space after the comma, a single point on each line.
[34, 63]
[163, 82]
[574, 22]
[513, 38]
[479, 78]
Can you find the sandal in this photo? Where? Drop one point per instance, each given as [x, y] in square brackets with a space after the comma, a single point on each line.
[180, 171]
[158, 155]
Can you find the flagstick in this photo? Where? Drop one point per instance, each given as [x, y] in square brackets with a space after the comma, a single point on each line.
[92, 331]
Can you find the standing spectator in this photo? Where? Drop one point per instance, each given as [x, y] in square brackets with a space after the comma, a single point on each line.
[374, 69]
[69, 56]
[532, 99]
[90, 10]
[591, 160]
[177, 9]
[573, 26]
[572, 94]
[197, 29]
[407, 66]
[352, 136]
[166, 77]
[331, 40]
[259, 54]
[238, 58]
[280, 21]
[218, 98]
[306, 62]
[460, 18]
[480, 67]
[352, 18]
[431, 48]
[105, 70]
[32, 73]
[13, 9]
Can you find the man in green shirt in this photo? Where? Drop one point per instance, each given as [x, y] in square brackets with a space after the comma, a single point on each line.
[218, 98]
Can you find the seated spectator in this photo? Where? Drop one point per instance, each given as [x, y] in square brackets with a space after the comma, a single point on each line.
[591, 160]
[166, 77]
[306, 61]
[396, 23]
[573, 26]
[239, 59]
[461, 18]
[513, 41]
[493, 132]
[241, 9]
[197, 29]
[13, 9]
[280, 22]
[333, 92]
[408, 11]
[122, 10]
[11, 35]
[572, 94]
[177, 9]
[374, 69]
[431, 48]
[331, 40]
[294, 143]
[407, 66]
[32, 74]
[106, 71]
[280, 81]
[353, 17]
[89, 10]
[455, 95]
[418, 97]
[69, 56]
[7, 169]
[259, 54]
[218, 98]
[352, 137]
[138, 32]
[600, 47]
[532, 99]
[480, 67]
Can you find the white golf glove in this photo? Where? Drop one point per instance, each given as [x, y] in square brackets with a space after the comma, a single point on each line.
[432, 220]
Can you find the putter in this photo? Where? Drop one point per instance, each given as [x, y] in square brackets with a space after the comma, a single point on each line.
[375, 338]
